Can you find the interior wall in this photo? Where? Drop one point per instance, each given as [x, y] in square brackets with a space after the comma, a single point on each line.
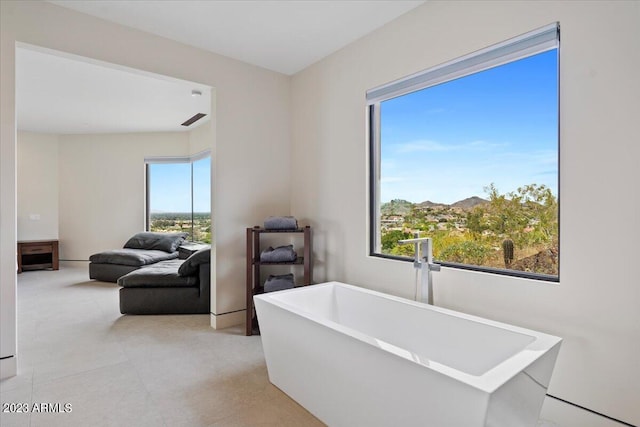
[201, 138]
[37, 186]
[8, 214]
[252, 139]
[595, 305]
[102, 187]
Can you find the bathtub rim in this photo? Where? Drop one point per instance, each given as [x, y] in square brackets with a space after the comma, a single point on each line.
[487, 382]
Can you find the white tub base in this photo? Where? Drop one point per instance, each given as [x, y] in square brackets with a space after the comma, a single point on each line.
[355, 357]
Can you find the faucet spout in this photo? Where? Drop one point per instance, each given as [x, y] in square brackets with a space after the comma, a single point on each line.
[423, 260]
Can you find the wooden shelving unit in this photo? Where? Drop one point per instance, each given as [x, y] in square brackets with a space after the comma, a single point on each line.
[253, 267]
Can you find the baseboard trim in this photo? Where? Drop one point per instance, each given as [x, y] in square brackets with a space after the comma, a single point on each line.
[226, 320]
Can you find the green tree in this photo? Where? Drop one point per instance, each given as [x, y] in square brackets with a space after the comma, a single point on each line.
[528, 215]
[476, 223]
[390, 239]
[542, 211]
[403, 250]
[466, 252]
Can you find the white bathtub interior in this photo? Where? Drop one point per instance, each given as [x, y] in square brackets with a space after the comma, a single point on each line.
[428, 335]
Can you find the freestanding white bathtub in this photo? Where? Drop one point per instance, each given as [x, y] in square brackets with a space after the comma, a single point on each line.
[355, 357]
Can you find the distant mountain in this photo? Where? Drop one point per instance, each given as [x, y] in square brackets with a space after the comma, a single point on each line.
[469, 202]
[430, 204]
[396, 207]
[403, 207]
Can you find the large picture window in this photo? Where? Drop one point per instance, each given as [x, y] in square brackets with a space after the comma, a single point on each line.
[179, 196]
[467, 153]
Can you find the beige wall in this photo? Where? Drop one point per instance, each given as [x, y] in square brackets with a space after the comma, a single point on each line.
[8, 213]
[595, 305]
[94, 183]
[99, 180]
[37, 186]
[202, 138]
[102, 187]
[252, 135]
[323, 174]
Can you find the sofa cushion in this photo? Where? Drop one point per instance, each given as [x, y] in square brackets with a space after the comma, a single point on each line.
[163, 274]
[191, 265]
[132, 257]
[167, 242]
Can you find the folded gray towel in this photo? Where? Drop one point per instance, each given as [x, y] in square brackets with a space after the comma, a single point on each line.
[279, 282]
[279, 254]
[280, 223]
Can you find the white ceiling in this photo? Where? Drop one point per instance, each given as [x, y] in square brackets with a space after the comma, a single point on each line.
[284, 36]
[75, 95]
[65, 94]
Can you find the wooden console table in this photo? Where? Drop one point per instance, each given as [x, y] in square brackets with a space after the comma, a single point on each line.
[37, 255]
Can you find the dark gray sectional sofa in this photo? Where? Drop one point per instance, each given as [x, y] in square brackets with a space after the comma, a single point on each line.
[109, 266]
[152, 279]
[167, 287]
[141, 250]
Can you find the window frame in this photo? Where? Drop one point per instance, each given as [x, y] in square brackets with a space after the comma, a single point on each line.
[168, 160]
[534, 42]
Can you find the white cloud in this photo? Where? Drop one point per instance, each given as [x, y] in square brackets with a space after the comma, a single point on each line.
[426, 145]
[484, 145]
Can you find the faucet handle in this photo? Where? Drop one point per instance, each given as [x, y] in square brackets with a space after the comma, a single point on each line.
[416, 240]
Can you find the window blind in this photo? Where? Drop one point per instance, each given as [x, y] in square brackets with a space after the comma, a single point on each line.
[531, 43]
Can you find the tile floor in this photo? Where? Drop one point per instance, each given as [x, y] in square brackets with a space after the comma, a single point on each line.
[76, 348]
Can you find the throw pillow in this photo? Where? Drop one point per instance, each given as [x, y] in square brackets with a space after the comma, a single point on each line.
[167, 242]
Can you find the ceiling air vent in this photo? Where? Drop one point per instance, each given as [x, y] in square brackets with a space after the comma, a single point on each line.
[193, 119]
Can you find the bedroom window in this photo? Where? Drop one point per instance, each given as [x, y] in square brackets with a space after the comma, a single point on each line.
[467, 153]
[179, 195]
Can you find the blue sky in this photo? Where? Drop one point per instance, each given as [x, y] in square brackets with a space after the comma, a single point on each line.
[447, 142]
[171, 186]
